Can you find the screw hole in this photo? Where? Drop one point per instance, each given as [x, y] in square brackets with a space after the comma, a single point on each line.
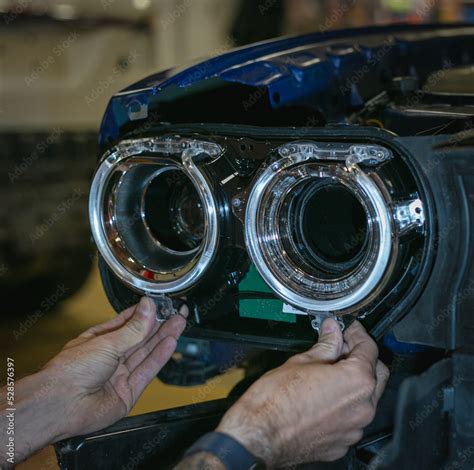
[276, 97]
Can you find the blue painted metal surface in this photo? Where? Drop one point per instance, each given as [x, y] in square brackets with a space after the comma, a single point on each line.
[289, 69]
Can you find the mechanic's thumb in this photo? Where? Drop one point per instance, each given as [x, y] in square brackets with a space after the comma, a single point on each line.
[330, 343]
[136, 329]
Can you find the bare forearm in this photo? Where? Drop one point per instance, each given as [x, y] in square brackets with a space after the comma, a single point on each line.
[200, 461]
[32, 422]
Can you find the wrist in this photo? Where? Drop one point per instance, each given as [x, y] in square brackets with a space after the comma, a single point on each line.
[245, 425]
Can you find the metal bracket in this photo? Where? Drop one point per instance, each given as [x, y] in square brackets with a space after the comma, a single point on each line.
[351, 154]
[165, 308]
[408, 215]
[318, 318]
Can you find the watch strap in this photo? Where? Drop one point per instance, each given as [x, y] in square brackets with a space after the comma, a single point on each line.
[229, 451]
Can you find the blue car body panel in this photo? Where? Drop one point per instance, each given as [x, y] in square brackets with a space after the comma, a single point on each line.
[289, 69]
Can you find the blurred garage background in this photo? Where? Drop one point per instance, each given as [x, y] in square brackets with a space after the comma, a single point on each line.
[60, 61]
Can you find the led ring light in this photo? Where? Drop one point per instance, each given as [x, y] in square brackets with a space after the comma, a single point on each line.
[301, 288]
[119, 228]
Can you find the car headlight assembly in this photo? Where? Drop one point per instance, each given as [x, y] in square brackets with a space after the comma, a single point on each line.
[246, 228]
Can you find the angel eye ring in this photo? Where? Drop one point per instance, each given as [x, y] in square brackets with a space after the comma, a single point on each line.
[319, 229]
[153, 213]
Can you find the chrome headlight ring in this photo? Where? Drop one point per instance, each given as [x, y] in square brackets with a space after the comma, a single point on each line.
[300, 163]
[120, 181]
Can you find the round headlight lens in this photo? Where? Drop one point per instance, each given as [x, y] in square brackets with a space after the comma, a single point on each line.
[324, 225]
[173, 211]
[319, 234]
[153, 214]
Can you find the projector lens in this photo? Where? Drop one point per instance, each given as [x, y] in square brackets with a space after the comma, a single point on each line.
[173, 211]
[327, 227]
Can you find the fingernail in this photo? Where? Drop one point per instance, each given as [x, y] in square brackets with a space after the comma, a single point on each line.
[145, 307]
[184, 311]
[329, 326]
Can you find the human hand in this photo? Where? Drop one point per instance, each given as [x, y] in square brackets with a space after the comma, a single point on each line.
[315, 405]
[97, 377]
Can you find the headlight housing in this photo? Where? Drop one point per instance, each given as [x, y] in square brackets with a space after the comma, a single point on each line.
[247, 228]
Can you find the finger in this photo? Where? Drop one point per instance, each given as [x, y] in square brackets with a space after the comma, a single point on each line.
[361, 346]
[137, 329]
[116, 322]
[335, 453]
[382, 374]
[173, 327]
[330, 343]
[184, 311]
[150, 367]
[352, 437]
[345, 349]
[144, 341]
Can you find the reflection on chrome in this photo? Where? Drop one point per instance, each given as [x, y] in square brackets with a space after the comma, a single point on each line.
[153, 213]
